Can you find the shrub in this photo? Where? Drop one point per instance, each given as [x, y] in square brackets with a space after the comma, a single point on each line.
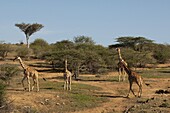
[23, 51]
[39, 47]
[5, 49]
[2, 94]
[7, 71]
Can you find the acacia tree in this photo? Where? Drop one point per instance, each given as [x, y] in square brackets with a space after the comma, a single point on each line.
[83, 40]
[29, 29]
[136, 43]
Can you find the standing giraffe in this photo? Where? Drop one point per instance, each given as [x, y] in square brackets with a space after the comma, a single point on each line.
[121, 70]
[67, 77]
[28, 72]
[133, 77]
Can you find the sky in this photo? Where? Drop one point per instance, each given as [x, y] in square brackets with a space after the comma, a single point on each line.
[102, 20]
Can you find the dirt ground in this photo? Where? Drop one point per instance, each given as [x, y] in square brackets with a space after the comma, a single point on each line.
[116, 103]
[111, 90]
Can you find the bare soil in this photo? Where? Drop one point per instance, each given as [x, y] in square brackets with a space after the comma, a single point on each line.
[114, 91]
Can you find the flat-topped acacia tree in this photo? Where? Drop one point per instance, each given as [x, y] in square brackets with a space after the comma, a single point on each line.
[29, 29]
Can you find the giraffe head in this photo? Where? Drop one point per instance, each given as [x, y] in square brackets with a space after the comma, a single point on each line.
[16, 58]
[118, 49]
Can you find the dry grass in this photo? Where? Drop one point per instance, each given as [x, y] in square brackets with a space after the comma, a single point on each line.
[90, 93]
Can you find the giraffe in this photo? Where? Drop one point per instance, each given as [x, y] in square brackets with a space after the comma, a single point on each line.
[28, 72]
[133, 77]
[121, 70]
[67, 76]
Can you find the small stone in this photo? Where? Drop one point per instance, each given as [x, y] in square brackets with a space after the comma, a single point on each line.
[58, 104]
[42, 103]
[46, 100]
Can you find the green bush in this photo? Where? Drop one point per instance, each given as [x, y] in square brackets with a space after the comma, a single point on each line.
[23, 51]
[39, 47]
[2, 94]
[7, 71]
[5, 49]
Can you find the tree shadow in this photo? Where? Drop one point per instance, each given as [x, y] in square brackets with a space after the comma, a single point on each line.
[164, 71]
[50, 70]
[58, 77]
[15, 89]
[83, 80]
[111, 96]
[95, 80]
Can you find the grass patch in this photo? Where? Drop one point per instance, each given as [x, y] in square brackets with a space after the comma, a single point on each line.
[155, 73]
[81, 97]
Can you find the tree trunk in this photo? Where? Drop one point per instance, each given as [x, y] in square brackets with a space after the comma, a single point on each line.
[27, 38]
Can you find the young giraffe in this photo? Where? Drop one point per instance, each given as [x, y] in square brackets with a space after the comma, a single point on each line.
[121, 70]
[28, 72]
[133, 77]
[67, 77]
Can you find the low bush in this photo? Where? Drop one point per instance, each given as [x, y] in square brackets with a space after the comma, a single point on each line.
[7, 71]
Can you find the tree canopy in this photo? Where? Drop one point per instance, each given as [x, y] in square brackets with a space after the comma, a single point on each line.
[135, 43]
[83, 40]
[29, 29]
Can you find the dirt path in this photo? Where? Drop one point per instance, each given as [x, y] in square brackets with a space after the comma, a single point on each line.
[115, 102]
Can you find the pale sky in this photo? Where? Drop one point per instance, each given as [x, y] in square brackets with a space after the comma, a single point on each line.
[103, 20]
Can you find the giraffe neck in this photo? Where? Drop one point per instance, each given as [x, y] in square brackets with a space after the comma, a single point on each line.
[120, 56]
[66, 65]
[128, 71]
[22, 64]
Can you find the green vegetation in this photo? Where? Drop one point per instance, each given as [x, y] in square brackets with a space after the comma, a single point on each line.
[7, 71]
[155, 73]
[84, 56]
[2, 94]
[5, 49]
[81, 97]
[29, 29]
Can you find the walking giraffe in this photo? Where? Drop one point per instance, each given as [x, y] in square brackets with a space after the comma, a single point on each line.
[133, 77]
[28, 72]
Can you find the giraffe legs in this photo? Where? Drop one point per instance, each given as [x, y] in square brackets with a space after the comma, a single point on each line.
[119, 73]
[140, 88]
[140, 91]
[35, 82]
[28, 81]
[38, 89]
[130, 89]
[67, 84]
[23, 82]
[122, 74]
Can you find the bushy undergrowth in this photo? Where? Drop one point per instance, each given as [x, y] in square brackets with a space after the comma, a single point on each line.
[2, 94]
[7, 71]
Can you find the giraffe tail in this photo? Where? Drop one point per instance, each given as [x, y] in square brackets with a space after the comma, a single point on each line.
[44, 79]
[146, 84]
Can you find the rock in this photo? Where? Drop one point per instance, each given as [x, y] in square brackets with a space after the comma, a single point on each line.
[161, 91]
[58, 104]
